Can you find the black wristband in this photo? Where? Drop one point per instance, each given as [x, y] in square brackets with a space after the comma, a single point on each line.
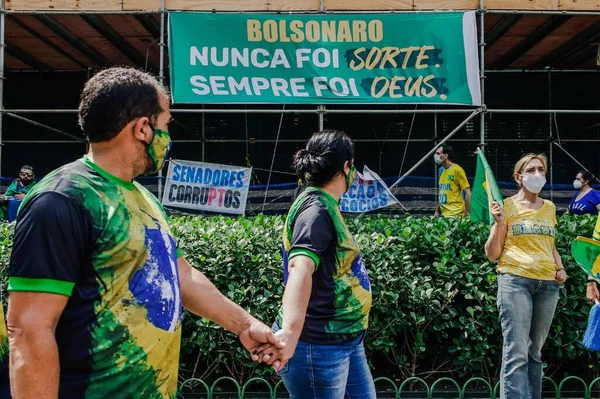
[591, 281]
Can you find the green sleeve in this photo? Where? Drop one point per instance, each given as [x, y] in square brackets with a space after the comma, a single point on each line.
[305, 252]
[12, 189]
[40, 285]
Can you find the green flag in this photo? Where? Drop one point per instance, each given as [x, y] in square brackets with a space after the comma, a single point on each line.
[586, 252]
[485, 191]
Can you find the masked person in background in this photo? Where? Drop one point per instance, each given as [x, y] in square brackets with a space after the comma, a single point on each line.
[325, 312]
[529, 274]
[453, 185]
[586, 200]
[97, 282]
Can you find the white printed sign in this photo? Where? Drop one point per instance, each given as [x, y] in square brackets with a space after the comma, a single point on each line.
[207, 187]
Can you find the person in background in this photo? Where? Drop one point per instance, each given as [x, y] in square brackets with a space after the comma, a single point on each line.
[586, 199]
[530, 271]
[453, 184]
[21, 186]
[325, 311]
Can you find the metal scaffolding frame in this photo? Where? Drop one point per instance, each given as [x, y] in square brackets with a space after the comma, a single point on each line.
[319, 110]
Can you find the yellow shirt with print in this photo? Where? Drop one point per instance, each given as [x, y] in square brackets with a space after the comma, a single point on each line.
[453, 181]
[529, 244]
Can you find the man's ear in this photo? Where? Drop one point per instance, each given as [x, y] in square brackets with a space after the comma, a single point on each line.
[141, 129]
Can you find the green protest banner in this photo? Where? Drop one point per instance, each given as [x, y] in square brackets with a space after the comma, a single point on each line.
[324, 59]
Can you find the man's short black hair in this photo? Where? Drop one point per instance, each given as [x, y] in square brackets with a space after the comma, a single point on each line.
[447, 150]
[28, 168]
[116, 96]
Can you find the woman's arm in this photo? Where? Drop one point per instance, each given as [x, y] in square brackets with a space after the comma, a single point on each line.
[561, 274]
[495, 243]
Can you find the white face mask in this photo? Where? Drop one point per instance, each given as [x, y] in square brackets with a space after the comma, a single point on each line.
[534, 183]
[438, 159]
[577, 184]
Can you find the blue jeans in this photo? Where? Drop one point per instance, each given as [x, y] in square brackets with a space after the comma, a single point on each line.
[526, 309]
[329, 372]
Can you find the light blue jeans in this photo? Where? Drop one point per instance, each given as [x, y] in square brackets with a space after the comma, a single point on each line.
[337, 371]
[526, 309]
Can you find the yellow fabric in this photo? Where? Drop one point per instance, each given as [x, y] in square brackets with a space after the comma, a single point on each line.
[596, 235]
[453, 181]
[529, 245]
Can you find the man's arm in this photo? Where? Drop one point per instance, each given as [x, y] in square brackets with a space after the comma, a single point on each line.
[51, 239]
[467, 201]
[31, 323]
[202, 298]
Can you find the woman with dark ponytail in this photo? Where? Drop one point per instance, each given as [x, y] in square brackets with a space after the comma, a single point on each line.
[327, 298]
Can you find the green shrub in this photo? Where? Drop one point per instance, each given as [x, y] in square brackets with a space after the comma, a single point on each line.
[434, 295]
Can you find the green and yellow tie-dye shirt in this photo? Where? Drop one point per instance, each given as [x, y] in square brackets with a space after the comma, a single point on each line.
[105, 243]
[340, 300]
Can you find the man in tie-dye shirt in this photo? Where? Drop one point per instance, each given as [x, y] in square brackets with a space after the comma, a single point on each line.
[96, 280]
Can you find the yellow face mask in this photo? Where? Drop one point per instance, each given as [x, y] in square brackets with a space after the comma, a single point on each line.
[158, 149]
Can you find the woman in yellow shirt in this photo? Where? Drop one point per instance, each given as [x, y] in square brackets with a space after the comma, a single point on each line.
[529, 274]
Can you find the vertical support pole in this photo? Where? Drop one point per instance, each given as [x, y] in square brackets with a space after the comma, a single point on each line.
[2, 45]
[203, 134]
[321, 108]
[321, 112]
[161, 74]
[248, 163]
[550, 136]
[435, 166]
[482, 71]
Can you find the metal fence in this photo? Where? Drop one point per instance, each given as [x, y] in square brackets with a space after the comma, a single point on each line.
[414, 387]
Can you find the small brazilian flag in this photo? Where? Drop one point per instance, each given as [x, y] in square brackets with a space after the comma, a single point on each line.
[485, 191]
[586, 252]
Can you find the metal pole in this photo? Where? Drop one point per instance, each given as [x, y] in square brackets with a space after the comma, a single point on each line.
[204, 134]
[335, 111]
[81, 12]
[435, 167]
[296, 141]
[542, 70]
[161, 75]
[2, 44]
[270, 111]
[482, 72]
[574, 159]
[321, 111]
[433, 150]
[545, 12]
[34, 123]
[247, 139]
[550, 136]
[544, 111]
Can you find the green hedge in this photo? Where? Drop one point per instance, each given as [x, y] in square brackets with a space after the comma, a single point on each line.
[434, 295]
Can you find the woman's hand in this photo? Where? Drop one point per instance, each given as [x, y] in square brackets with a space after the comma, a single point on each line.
[497, 212]
[561, 276]
[591, 292]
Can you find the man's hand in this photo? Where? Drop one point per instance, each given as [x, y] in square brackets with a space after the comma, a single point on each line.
[290, 341]
[20, 196]
[592, 293]
[256, 335]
